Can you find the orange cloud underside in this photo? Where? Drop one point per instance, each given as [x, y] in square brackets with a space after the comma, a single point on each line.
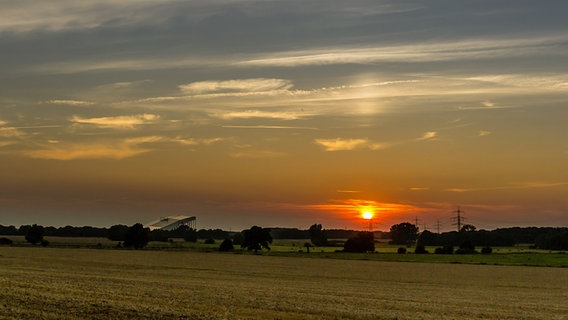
[352, 209]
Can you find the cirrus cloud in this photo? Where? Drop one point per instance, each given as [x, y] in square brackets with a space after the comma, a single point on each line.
[237, 85]
[340, 144]
[119, 122]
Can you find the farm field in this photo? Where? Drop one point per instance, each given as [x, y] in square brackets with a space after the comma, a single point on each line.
[78, 283]
[510, 256]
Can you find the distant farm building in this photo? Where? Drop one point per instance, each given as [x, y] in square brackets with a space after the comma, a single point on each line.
[172, 222]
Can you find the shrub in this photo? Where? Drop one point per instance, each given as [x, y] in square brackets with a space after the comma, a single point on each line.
[117, 232]
[5, 242]
[486, 250]
[34, 234]
[401, 250]
[363, 242]
[209, 241]
[226, 245]
[137, 236]
[444, 250]
[256, 238]
[44, 243]
[466, 247]
[420, 249]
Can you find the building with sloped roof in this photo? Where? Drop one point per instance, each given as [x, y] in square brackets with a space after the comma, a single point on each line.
[172, 222]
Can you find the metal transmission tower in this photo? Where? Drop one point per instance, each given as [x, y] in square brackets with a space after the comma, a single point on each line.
[438, 226]
[458, 218]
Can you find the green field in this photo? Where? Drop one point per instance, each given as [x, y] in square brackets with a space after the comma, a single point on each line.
[508, 256]
[80, 283]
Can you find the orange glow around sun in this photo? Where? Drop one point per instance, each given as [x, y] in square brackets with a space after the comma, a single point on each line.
[367, 215]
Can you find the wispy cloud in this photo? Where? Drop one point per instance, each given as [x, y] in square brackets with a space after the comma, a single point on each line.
[484, 133]
[196, 141]
[237, 85]
[430, 135]
[25, 16]
[268, 127]
[117, 150]
[257, 154]
[530, 80]
[272, 92]
[119, 122]
[523, 185]
[340, 144]
[10, 132]
[348, 191]
[248, 114]
[70, 102]
[424, 52]
[354, 206]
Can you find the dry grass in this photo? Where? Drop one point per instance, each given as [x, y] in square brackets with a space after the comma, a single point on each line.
[55, 283]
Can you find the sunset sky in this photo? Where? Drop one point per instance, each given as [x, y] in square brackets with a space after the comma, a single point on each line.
[284, 113]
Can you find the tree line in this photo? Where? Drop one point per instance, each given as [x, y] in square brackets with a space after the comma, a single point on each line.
[405, 233]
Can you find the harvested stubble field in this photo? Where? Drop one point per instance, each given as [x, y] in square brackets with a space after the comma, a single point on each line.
[56, 283]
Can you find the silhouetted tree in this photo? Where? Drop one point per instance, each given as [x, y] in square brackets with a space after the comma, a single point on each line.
[34, 234]
[226, 245]
[190, 235]
[307, 245]
[468, 228]
[6, 242]
[136, 237]
[401, 250]
[363, 242]
[554, 240]
[403, 233]
[238, 238]
[318, 235]
[8, 231]
[256, 238]
[209, 241]
[117, 232]
[428, 238]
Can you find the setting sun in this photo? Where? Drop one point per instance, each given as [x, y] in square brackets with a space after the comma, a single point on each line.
[367, 215]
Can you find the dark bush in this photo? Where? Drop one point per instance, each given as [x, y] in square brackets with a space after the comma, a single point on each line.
[466, 247]
[444, 250]
[209, 241]
[363, 242]
[137, 237]
[401, 250]
[117, 232]
[256, 238]
[34, 234]
[226, 245]
[420, 249]
[5, 242]
[44, 243]
[486, 250]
